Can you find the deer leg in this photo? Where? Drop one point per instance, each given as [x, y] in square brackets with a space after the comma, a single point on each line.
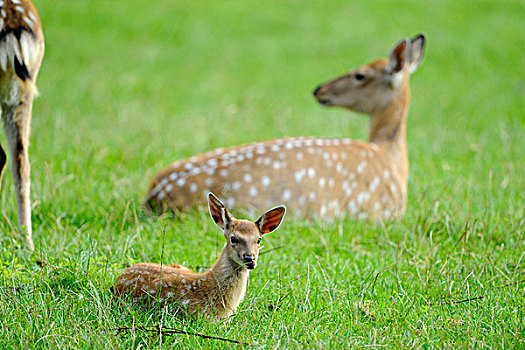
[17, 122]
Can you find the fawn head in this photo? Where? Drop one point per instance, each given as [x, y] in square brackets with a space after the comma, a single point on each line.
[243, 237]
[377, 84]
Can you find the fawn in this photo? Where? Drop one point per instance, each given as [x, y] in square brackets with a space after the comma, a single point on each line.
[21, 53]
[216, 292]
[315, 177]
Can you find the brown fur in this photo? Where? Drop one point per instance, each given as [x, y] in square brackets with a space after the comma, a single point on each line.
[319, 178]
[21, 53]
[215, 293]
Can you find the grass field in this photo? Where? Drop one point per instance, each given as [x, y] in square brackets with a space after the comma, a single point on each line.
[129, 86]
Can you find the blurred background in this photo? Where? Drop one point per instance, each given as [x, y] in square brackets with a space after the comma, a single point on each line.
[127, 87]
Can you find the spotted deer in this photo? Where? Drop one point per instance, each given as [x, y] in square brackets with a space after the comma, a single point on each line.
[215, 293]
[315, 177]
[21, 53]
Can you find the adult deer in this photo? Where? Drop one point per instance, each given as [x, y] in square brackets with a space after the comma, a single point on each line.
[313, 176]
[215, 293]
[21, 53]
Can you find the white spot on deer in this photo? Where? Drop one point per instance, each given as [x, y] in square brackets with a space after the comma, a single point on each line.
[311, 172]
[323, 210]
[299, 156]
[374, 184]
[319, 142]
[161, 195]
[277, 165]
[331, 182]
[301, 201]
[249, 155]
[253, 191]
[247, 178]
[362, 197]
[322, 182]
[311, 196]
[188, 166]
[393, 188]
[267, 161]
[339, 167]
[19, 9]
[386, 174]
[361, 167]
[223, 172]
[185, 302]
[377, 205]
[286, 195]
[173, 176]
[163, 182]
[386, 213]
[352, 207]
[275, 148]
[181, 182]
[208, 182]
[384, 199]
[299, 175]
[334, 156]
[212, 162]
[363, 215]
[236, 185]
[169, 188]
[265, 181]
[240, 158]
[193, 187]
[3, 13]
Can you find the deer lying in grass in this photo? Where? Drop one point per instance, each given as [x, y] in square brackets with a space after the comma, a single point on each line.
[21, 53]
[312, 176]
[216, 292]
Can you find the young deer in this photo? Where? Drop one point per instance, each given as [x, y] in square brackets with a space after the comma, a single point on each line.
[21, 53]
[312, 176]
[216, 292]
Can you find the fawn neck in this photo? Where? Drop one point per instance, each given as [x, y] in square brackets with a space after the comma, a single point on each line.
[230, 277]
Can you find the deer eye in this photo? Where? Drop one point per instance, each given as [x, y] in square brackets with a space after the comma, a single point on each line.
[234, 240]
[259, 241]
[359, 76]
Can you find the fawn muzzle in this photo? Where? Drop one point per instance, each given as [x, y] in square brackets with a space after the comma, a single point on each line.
[249, 261]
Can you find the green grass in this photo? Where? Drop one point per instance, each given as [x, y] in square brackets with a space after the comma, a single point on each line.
[129, 86]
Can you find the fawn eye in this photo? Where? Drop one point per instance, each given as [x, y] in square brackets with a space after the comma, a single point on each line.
[259, 241]
[359, 76]
[234, 240]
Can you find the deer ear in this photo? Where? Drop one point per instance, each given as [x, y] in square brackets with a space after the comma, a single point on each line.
[397, 62]
[398, 57]
[271, 220]
[417, 45]
[219, 214]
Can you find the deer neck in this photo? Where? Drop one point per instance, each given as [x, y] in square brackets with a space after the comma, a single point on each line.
[388, 129]
[230, 279]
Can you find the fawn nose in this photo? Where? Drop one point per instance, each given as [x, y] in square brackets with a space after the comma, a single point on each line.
[316, 91]
[248, 258]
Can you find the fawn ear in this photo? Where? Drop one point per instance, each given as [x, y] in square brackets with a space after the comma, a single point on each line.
[219, 214]
[271, 220]
[417, 45]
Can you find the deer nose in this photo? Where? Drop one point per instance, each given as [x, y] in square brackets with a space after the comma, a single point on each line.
[316, 91]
